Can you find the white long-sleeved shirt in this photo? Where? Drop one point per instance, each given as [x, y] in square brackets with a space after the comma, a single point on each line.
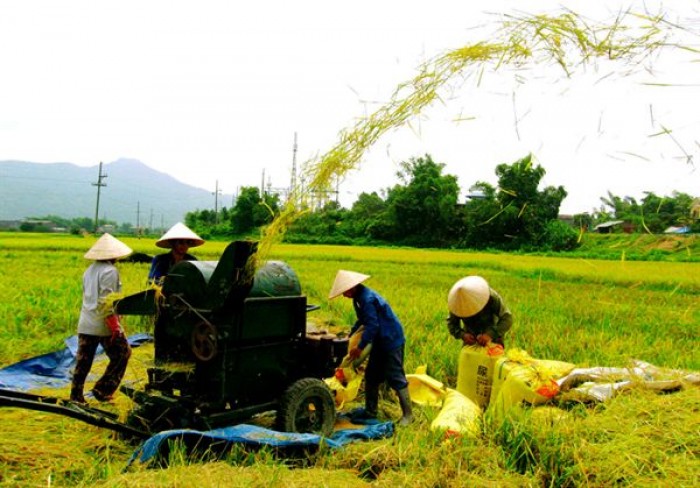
[99, 280]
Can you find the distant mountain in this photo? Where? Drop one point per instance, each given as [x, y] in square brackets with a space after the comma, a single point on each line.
[67, 190]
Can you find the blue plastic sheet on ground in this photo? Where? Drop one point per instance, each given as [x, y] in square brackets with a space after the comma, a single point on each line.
[157, 446]
[54, 370]
[51, 370]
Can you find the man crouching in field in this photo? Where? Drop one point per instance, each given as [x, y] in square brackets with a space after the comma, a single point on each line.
[94, 328]
[383, 331]
[478, 314]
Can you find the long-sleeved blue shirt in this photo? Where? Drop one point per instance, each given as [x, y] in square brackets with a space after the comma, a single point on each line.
[161, 264]
[382, 328]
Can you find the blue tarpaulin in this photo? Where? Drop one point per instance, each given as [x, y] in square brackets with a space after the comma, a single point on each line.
[54, 370]
[51, 370]
[254, 436]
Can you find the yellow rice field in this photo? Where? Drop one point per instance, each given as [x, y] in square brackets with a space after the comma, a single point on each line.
[589, 312]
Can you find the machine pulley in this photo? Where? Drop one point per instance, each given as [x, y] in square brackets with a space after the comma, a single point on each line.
[204, 343]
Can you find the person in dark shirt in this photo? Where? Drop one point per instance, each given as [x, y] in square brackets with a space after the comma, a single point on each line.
[384, 332]
[478, 314]
[179, 239]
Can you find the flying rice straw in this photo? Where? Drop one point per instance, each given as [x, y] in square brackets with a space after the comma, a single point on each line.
[567, 40]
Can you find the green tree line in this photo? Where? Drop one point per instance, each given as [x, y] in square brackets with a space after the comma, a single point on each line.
[424, 210]
[653, 214]
[77, 225]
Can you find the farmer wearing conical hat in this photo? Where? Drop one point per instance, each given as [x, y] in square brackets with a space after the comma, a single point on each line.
[382, 332]
[478, 314]
[179, 239]
[97, 326]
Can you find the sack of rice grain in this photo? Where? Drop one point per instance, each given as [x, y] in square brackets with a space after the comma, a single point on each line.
[475, 372]
[459, 416]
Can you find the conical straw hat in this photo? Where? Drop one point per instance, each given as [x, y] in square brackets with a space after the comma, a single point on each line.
[179, 231]
[344, 281]
[107, 248]
[468, 296]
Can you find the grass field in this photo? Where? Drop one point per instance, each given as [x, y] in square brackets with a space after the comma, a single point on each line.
[586, 311]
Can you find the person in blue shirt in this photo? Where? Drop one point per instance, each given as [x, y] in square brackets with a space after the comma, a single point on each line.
[179, 239]
[384, 332]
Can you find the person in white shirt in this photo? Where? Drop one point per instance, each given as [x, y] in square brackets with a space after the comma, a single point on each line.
[99, 327]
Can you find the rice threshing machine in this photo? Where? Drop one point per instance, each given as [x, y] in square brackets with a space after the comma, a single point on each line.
[231, 341]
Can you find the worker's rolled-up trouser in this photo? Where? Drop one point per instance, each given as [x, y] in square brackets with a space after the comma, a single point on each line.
[118, 351]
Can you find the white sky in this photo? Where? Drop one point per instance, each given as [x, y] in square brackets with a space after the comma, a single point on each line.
[215, 90]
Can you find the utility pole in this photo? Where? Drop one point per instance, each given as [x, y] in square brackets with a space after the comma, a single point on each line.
[216, 194]
[138, 219]
[293, 184]
[150, 223]
[99, 185]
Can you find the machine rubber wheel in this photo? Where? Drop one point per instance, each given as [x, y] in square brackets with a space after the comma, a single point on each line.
[204, 341]
[307, 406]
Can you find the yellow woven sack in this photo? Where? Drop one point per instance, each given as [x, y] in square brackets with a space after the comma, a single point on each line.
[345, 390]
[557, 369]
[425, 390]
[353, 342]
[524, 383]
[355, 339]
[459, 416]
[533, 381]
[475, 372]
[528, 383]
[346, 382]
